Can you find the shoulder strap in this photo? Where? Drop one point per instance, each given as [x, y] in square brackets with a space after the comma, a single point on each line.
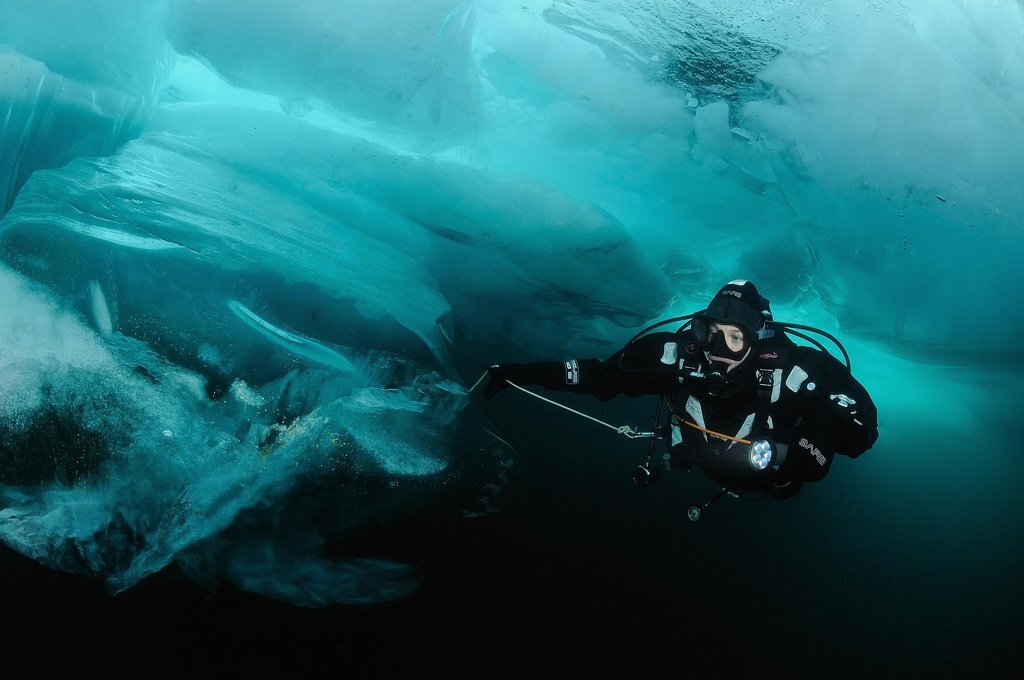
[773, 356]
[765, 386]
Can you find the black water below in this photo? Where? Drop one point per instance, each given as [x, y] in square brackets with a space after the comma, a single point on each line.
[581, 574]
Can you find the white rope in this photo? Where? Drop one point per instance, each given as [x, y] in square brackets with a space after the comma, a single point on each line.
[623, 429]
[477, 383]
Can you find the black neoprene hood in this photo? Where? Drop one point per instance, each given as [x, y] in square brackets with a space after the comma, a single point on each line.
[740, 304]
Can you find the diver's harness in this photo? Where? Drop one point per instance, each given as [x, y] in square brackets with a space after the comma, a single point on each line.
[762, 451]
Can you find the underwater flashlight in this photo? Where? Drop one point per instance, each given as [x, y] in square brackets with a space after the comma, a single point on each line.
[762, 451]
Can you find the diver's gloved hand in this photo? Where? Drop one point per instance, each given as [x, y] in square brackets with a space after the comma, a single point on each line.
[844, 409]
[842, 406]
[498, 377]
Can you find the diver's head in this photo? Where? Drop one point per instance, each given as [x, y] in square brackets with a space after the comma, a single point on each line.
[728, 330]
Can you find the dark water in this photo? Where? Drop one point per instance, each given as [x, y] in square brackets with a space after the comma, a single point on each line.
[580, 574]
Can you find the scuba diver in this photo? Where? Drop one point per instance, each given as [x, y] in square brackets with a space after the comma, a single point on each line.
[753, 410]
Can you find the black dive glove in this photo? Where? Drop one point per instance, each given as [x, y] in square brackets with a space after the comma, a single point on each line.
[499, 375]
[549, 374]
[844, 409]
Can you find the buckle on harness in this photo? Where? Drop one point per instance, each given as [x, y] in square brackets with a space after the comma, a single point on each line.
[765, 381]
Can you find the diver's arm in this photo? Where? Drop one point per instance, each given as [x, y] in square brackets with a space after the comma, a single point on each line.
[573, 375]
[836, 416]
[633, 371]
[849, 410]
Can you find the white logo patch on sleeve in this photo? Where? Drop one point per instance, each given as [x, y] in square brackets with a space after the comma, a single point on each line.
[572, 372]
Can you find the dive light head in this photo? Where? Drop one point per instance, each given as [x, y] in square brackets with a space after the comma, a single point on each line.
[762, 453]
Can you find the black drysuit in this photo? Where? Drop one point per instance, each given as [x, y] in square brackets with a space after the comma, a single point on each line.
[801, 398]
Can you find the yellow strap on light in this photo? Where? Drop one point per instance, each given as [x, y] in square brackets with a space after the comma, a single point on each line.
[704, 429]
[711, 432]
